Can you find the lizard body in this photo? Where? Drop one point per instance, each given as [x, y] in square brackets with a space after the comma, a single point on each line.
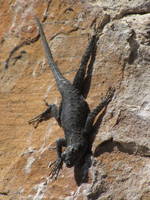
[73, 115]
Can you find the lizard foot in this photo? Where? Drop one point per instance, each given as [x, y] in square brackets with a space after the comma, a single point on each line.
[35, 121]
[109, 94]
[42, 117]
[56, 166]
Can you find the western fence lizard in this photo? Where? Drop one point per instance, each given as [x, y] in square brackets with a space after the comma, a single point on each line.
[73, 115]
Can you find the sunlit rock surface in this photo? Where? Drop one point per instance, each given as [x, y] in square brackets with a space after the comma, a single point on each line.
[120, 165]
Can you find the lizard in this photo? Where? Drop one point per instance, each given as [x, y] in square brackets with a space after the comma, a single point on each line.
[73, 114]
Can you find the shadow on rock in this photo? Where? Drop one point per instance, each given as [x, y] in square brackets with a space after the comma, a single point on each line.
[81, 171]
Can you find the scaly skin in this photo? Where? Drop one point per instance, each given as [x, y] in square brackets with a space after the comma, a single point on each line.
[74, 115]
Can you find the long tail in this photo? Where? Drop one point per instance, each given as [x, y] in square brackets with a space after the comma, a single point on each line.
[57, 74]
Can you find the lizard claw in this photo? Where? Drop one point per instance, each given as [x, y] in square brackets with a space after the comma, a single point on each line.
[42, 117]
[110, 91]
[35, 121]
[109, 95]
[56, 167]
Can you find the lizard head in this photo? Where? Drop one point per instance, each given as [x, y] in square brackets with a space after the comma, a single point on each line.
[73, 153]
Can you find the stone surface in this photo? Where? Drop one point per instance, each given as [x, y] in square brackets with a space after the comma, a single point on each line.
[120, 166]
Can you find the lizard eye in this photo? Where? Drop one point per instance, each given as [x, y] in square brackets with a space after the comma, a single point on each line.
[73, 150]
[63, 155]
[76, 148]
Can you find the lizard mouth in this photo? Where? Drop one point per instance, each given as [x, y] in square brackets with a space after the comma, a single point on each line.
[69, 164]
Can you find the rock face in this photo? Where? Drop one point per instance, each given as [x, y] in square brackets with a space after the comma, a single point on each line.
[120, 166]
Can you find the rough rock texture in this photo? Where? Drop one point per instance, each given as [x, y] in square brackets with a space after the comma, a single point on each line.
[120, 168]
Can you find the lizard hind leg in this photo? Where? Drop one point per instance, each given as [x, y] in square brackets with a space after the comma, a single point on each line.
[51, 111]
[79, 79]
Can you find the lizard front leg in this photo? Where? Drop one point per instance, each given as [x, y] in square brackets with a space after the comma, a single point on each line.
[105, 101]
[57, 164]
